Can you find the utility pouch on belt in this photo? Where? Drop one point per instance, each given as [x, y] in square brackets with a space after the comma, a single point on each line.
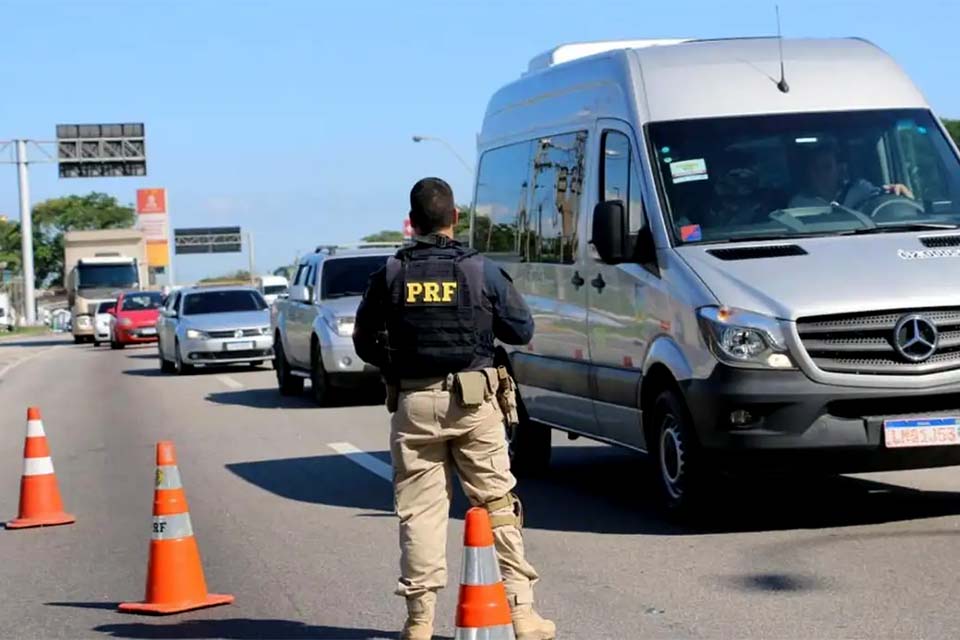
[393, 398]
[471, 388]
[507, 396]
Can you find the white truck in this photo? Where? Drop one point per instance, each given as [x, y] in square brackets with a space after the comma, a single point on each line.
[313, 327]
[98, 264]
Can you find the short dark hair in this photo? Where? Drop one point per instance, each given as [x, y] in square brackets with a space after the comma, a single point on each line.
[431, 205]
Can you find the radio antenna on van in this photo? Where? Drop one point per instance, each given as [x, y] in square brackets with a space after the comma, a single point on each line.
[782, 85]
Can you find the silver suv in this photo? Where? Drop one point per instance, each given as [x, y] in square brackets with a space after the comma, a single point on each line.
[313, 327]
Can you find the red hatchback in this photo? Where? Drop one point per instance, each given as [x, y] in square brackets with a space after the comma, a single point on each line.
[135, 318]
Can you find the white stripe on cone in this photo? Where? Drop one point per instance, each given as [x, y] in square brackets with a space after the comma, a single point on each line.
[35, 428]
[37, 466]
[480, 566]
[502, 632]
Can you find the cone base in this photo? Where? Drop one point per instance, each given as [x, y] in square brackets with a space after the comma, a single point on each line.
[212, 600]
[50, 520]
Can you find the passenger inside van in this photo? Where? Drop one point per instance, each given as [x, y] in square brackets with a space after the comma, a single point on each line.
[826, 182]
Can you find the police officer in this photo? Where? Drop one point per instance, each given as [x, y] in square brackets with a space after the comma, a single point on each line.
[428, 320]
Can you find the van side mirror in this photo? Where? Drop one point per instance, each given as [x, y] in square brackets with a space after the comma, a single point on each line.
[610, 232]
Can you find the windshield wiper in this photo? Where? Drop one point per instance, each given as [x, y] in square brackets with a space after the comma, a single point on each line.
[791, 236]
[910, 226]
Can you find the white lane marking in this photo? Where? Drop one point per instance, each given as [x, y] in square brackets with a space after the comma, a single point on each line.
[230, 382]
[372, 464]
[13, 365]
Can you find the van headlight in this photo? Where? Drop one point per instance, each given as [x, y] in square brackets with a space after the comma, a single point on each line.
[743, 339]
[342, 326]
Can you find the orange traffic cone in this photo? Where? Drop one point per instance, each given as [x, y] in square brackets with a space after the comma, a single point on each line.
[175, 580]
[40, 503]
[482, 609]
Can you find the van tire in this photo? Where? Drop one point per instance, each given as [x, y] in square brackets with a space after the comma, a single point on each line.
[678, 466]
[289, 384]
[529, 443]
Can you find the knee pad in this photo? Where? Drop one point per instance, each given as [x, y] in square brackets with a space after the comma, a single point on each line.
[509, 501]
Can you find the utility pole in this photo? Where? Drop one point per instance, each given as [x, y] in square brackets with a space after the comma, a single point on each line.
[26, 235]
[253, 278]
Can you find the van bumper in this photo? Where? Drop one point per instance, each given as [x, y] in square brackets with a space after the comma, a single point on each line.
[838, 428]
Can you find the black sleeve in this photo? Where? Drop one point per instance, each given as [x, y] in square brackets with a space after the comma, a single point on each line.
[512, 322]
[370, 327]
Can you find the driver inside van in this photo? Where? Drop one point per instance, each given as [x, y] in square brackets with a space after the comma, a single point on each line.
[826, 183]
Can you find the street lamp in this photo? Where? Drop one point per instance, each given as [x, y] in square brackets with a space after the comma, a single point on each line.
[466, 165]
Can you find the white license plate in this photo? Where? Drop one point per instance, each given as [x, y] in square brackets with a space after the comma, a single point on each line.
[148, 331]
[238, 346]
[921, 432]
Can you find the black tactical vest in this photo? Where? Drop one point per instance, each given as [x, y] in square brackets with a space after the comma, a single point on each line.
[439, 320]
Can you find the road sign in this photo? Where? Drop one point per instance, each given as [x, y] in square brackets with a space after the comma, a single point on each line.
[207, 240]
[101, 150]
[151, 201]
[152, 220]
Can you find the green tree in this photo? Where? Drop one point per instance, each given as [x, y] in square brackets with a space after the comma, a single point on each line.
[51, 219]
[953, 126]
[384, 236]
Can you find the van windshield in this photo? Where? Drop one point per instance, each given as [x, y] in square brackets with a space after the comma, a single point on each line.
[781, 176]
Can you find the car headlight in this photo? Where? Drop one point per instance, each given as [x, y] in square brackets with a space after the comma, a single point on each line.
[196, 334]
[342, 325]
[745, 339]
[125, 322]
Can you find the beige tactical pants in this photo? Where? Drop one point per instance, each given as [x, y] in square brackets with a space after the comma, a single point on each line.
[430, 433]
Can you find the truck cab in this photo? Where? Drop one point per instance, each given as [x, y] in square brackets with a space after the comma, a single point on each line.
[92, 280]
[313, 325]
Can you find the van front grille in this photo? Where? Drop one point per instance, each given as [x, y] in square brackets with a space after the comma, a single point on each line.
[864, 343]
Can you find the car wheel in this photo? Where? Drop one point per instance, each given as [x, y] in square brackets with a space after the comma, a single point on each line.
[529, 443]
[319, 382]
[96, 343]
[678, 467]
[179, 366]
[116, 345]
[289, 384]
[165, 365]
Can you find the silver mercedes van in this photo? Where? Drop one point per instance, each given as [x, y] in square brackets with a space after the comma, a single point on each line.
[734, 256]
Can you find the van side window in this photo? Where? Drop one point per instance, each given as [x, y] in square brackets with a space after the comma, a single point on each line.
[619, 178]
[500, 220]
[558, 165]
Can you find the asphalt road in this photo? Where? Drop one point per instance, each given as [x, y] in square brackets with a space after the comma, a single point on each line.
[300, 529]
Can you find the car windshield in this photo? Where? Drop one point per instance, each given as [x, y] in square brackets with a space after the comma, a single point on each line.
[342, 277]
[222, 302]
[97, 276]
[142, 301]
[274, 289]
[106, 305]
[780, 176]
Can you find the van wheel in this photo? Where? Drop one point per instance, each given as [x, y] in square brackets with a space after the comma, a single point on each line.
[289, 384]
[678, 464]
[529, 443]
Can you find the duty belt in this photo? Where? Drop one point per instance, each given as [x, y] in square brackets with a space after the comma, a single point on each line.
[446, 383]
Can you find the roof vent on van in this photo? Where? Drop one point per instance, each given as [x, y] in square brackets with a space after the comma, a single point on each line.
[751, 253]
[937, 242]
[576, 50]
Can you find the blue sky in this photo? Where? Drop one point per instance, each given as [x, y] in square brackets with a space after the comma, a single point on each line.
[293, 119]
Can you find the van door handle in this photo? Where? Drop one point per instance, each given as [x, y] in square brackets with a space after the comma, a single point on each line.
[577, 281]
[598, 283]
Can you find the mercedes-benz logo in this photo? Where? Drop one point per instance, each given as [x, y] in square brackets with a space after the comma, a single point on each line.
[238, 333]
[915, 338]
